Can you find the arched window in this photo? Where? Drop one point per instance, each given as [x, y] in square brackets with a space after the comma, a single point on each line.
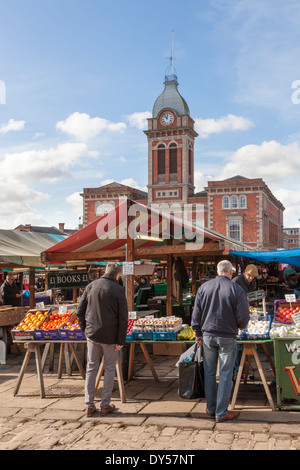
[226, 202]
[234, 202]
[173, 162]
[102, 208]
[243, 202]
[161, 164]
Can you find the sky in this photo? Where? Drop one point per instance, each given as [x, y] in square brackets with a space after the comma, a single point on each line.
[79, 78]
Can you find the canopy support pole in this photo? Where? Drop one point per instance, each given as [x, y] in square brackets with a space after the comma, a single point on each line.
[32, 288]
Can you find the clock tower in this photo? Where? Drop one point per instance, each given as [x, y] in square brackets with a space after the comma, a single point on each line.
[171, 137]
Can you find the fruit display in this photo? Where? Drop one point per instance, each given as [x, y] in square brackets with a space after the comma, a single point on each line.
[283, 311]
[130, 324]
[56, 320]
[284, 314]
[186, 333]
[32, 320]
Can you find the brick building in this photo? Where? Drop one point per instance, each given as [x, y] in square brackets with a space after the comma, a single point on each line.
[246, 210]
[293, 237]
[99, 201]
[241, 208]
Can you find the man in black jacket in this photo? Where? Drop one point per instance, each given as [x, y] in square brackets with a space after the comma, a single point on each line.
[10, 292]
[221, 309]
[102, 314]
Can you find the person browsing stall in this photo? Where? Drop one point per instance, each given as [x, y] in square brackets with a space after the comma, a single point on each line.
[102, 314]
[221, 309]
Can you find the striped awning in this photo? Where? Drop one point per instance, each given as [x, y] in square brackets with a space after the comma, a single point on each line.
[155, 232]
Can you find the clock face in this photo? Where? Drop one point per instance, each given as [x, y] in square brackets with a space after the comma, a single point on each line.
[167, 119]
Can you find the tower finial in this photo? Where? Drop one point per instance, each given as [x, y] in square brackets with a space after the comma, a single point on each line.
[170, 76]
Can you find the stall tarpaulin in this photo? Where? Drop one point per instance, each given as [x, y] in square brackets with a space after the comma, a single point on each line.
[24, 248]
[290, 256]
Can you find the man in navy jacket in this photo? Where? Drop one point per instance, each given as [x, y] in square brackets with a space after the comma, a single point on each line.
[221, 309]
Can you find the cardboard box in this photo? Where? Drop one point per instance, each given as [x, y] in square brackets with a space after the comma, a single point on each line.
[169, 349]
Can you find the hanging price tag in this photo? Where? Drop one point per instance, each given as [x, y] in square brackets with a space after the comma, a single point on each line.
[290, 297]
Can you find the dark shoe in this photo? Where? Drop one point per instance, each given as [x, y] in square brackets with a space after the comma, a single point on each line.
[209, 414]
[230, 415]
[108, 409]
[90, 411]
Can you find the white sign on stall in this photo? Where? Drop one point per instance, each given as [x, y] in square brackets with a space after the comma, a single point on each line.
[128, 268]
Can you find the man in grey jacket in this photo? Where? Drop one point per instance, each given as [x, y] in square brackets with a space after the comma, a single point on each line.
[102, 314]
[221, 309]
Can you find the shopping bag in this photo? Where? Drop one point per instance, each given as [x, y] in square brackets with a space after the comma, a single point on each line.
[191, 378]
[187, 356]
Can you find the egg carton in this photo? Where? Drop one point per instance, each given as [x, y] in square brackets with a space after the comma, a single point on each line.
[258, 328]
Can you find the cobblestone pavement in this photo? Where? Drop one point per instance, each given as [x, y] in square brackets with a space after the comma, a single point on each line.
[153, 417]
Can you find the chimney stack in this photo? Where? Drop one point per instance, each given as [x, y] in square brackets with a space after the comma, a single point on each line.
[61, 226]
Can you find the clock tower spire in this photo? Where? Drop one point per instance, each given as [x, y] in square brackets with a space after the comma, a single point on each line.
[171, 137]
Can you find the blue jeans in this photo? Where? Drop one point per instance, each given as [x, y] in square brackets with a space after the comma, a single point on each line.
[222, 349]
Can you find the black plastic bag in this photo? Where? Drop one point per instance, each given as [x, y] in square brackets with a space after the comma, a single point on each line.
[191, 378]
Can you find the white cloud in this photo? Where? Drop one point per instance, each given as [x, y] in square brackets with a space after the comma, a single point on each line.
[200, 181]
[127, 182]
[139, 120]
[205, 127]
[121, 159]
[46, 165]
[83, 127]
[271, 161]
[12, 125]
[76, 202]
[291, 201]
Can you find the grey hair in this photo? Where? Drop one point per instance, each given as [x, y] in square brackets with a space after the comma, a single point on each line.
[113, 268]
[224, 267]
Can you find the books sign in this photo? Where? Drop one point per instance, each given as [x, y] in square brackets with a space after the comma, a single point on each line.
[66, 280]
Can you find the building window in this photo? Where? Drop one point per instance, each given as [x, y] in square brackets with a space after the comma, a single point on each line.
[102, 208]
[235, 230]
[234, 202]
[243, 202]
[173, 162]
[226, 202]
[161, 163]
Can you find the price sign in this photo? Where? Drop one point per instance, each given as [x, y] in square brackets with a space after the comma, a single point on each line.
[296, 318]
[290, 297]
[40, 305]
[128, 268]
[62, 309]
[132, 315]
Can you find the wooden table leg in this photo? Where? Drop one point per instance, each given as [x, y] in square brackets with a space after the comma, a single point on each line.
[131, 359]
[100, 373]
[149, 362]
[45, 353]
[247, 368]
[51, 357]
[39, 369]
[67, 360]
[263, 379]
[120, 379]
[60, 360]
[77, 360]
[22, 371]
[238, 379]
